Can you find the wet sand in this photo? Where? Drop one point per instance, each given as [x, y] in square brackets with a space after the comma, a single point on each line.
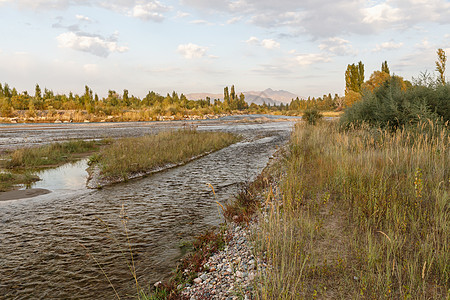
[21, 194]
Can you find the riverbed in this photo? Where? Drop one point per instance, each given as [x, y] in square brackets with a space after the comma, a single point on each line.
[70, 243]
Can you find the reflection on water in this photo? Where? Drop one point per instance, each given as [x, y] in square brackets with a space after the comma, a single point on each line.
[47, 243]
[71, 176]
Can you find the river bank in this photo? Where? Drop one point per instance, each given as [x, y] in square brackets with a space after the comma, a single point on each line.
[238, 266]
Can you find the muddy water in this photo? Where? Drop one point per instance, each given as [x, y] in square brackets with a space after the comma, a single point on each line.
[52, 246]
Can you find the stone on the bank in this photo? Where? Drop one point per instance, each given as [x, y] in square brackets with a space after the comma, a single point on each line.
[251, 276]
[198, 280]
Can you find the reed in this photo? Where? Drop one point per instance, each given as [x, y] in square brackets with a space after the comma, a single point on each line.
[361, 214]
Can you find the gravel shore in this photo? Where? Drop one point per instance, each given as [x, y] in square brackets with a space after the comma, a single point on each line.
[231, 272]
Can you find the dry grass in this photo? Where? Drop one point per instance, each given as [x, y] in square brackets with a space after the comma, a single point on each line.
[9, 180]
[361, 215]
[49, 155]
[129, 156]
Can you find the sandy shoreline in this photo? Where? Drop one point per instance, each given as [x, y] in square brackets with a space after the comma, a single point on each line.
[22, 194]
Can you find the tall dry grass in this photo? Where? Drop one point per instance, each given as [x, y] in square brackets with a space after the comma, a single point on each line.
[361, 214]
[50, 154]
[127, 156]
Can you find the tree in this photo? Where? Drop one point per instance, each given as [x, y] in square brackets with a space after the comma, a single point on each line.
[125, 97]
[351, 97]
[376, 79]
[226, 96]
[232, 94]
[6, 91]
[440, 65]
[37, 92]
[354, 77]
[385, 68]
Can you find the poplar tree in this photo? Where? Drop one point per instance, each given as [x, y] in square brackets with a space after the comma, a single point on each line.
[37, 92]
[384, 67]
[232, 95]
[226, 96]
[354, 77]
[440, 65]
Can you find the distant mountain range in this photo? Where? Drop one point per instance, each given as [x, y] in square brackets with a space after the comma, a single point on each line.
[267, 96]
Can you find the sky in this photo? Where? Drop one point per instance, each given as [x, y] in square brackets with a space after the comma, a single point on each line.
[187, 46]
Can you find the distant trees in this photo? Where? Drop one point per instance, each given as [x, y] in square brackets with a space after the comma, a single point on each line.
[232, 102]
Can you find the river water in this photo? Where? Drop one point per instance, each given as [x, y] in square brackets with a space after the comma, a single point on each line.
[68, 244]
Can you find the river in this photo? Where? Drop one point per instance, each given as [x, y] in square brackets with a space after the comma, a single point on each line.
[69, 243]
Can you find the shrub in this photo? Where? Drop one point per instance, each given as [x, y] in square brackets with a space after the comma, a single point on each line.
[311, 116]
[391, 106]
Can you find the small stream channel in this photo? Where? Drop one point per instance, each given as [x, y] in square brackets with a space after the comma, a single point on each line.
[52, 246]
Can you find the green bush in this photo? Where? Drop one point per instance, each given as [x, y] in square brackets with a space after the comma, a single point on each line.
[391, 107]
[311, 116]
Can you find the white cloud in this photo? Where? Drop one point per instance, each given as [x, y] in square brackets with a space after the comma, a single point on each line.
[234, 20]
[382, 14]
[387, 46]
[142, 9]
[252, 41]
[266, 43]
[149, 11]
[337, 46]
[83, 18]
[96, 45]
[329, 18]
[182, 14]
[191, 50]
[311, 58]
[270, 44]
[201, 22]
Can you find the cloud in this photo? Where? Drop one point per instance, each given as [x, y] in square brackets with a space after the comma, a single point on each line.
[252, 41]
[270, 44]
[94, 44]
[152, 10]
[266, 43]
[387, 46]
[382, 13]
[83, 18]
[234, 20]
[182, 14]
[330, 18]
[337, 46]
[311, 58]
[191, 50]
[143, 9]
[201, 22]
